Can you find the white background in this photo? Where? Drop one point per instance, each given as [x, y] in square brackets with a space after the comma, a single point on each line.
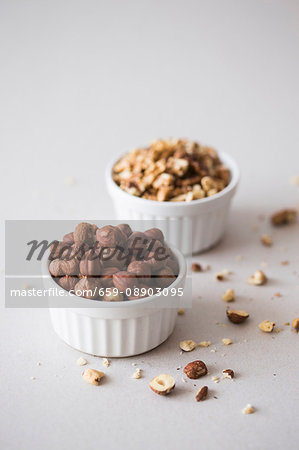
[82, 82]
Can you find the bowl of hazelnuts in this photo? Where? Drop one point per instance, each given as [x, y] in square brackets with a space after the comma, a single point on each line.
[183, 187]
[120, 288]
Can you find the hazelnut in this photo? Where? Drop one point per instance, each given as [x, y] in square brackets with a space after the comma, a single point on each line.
[113, 257]
[202, 393]
[162, 384]
[228, 373]
[173, 265]
[266, 240]
[249, 409]
[258, 278]
[164, 278]
[125, 229]
[229, 295]
[295, 324]
[84, 234]
[109, 236]
[68, 238]
[68, 283]
[196, 267]
[284, 217]
[60, 267]
[93, 376]
[142, 271]
[154, 233]
[112, 297]
[237, 315]
[156, 261]
[188, 345]
[138, 243]
[266, 326]
[124, 280]
[87, 288]
[107, 276]
[195, 369]
[90, 265]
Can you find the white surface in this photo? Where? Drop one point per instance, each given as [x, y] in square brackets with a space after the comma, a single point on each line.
[192, 227]
[81, 81]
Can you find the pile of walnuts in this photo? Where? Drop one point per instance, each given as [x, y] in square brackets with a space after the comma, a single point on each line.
[172, 170]
[123, 264]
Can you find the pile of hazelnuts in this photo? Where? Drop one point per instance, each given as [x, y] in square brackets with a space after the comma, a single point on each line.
[91, 260]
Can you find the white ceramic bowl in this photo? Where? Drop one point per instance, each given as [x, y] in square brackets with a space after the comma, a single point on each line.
[192, 227]
[115, 329]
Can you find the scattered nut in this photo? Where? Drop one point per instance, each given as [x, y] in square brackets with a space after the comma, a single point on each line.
[228, 373]
[285, 263]
[266, 326]
[181, 312]
[229, 295]
[195, 369]
[196, 267]
[284, 217]
[187, 346]
[215, 379]
[258, 278]
[202, 393]
[248, 409]
[266, 240]
[204, 344]
[237, 315]
[295, 324]
[171, 170]
[137, 374]
[93, 376]
[220, 276]
[162, 384]
[227, 341]
[81, 361]
[106, 362]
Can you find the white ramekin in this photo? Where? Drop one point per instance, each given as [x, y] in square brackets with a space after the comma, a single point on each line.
[192, 227]
[115, 329]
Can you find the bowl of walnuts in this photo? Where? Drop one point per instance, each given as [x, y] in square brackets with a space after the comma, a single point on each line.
[118, 290]
[181, 186]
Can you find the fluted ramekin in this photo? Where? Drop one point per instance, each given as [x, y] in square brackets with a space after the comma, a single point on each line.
[116, 329]
[192, 227]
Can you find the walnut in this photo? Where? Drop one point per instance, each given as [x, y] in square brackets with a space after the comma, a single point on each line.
[84, 234]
